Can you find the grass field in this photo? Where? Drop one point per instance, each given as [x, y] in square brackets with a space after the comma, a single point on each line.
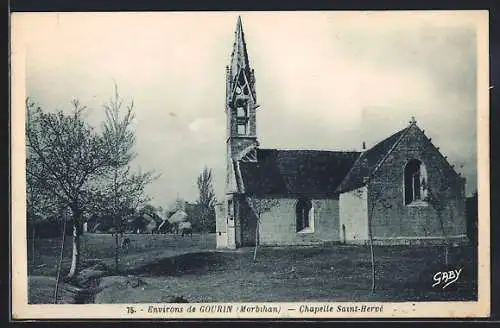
[170, 266]
[144, 248]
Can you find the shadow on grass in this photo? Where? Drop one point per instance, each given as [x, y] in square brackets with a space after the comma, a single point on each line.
[288, 274]
[185, 264]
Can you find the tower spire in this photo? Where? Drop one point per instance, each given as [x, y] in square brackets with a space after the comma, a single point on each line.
[240, 76]
[239, 57]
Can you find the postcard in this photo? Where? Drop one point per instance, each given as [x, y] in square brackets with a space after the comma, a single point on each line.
[280, 165]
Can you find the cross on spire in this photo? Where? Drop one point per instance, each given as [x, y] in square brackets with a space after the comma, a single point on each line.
[412, 120]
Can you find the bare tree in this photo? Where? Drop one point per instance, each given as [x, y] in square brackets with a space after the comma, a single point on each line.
[259, 206]
[436, 197]
[375, 200]
[206, 199]
[69, 155]
[370, 238]
[123, 190]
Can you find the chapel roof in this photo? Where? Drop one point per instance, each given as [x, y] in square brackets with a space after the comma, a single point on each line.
[278, 172]
[368, 162]
[296, 172]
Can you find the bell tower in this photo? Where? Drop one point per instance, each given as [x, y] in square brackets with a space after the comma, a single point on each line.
[241, 100]
[241, 129]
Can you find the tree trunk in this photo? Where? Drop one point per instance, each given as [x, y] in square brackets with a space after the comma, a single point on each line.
[445, 235]
[115, 218]
[372, 253]
[373, 263]
[59, 264]
[446, 255]
[33, 236]
[117, 255]
[75, 258]
[256, 241]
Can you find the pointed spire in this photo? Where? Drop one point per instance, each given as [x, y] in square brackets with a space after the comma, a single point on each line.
[239, 57]
[239, 25]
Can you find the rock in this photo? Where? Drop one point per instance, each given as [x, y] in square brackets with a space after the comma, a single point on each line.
[135, 282]
[121, 281]
[178, 299]
[86, 275]
[99, 267]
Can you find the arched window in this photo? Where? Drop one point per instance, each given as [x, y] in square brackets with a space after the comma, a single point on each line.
[415, 181]
[304, 215]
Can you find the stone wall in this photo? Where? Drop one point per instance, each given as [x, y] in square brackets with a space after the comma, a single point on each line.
[392, 218]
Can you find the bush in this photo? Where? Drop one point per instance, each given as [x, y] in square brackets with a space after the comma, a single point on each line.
[49, 228]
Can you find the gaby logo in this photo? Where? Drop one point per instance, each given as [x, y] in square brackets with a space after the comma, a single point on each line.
[446, 278]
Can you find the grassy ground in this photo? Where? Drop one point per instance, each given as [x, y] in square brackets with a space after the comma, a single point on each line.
[171, 266]
[143, 249]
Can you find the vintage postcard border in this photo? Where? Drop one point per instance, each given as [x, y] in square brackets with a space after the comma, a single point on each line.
[21, 309]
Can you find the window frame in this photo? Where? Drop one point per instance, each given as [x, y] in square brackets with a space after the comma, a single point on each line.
[411, 179]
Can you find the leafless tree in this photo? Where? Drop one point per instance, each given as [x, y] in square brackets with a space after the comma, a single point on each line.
[259, 206]
[370, 238]
[69, 154]
[375, 201]
[206, 199]
[436, 197]
[122, 190]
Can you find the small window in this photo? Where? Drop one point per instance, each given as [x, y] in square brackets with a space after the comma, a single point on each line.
[241, 112]
[242, 129]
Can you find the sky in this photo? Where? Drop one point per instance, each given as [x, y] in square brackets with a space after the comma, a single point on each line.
[324, 80]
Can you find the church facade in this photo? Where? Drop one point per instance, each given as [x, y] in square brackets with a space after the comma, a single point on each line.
[400, 191]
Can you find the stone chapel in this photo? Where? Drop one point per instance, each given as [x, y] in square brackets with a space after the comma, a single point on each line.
[400, 191]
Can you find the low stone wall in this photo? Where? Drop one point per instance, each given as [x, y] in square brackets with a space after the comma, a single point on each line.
[413, 241]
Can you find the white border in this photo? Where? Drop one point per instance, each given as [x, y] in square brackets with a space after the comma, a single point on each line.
[22, 310]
